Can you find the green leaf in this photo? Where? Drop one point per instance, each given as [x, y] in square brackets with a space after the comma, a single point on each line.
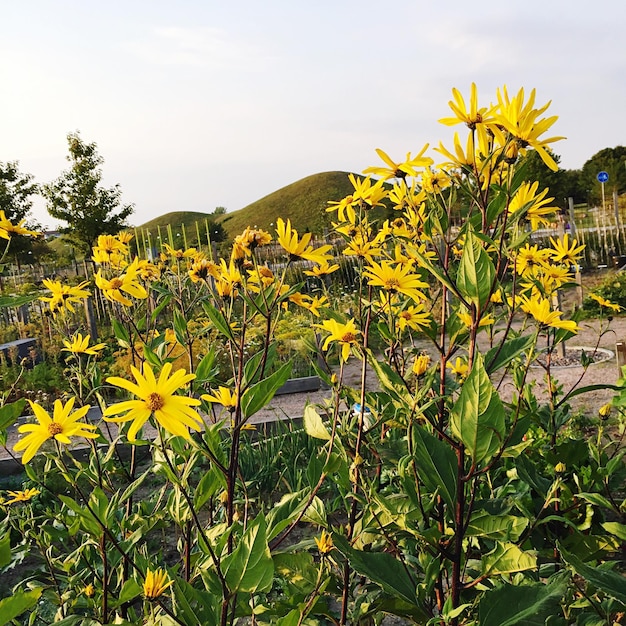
[211, 482]
[500, 356]
[313, 424]
[206, 369]
[17, 301]
[476, 272]
[194, 606]
[15, 605]
[477, 418]
[258, 395]
[10, 412]
[5, 549]
[506, 559]
[616, 529]
[381, 568]
[250, 568]
[436, 464]
[610, 583]
[498, 527]
[219, 321]
[526, 605]
[180, 328]
[130, 591]
[121, 334]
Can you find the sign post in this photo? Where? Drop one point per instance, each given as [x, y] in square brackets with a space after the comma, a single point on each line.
[603, 177]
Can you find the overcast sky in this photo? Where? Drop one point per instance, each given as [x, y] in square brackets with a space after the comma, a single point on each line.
[198, 104]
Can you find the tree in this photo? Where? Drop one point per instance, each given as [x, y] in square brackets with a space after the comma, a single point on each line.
[609, 160]
[16, 189]
[561, 184]
[77, 197]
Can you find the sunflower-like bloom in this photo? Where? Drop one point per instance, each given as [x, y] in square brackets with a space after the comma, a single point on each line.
[252, 238]
[564, 252]
[324, 543]
[61, 426]
[147, 270]
[312, 304]
[542, 312]
[179, 254]
[365, 195]
[535, 207]
[299, 247]
[8, 229]
[322, 270]
[529, 258]
[64, 296]
[107, 247]
[462, 158]
[156, 397]
[403, 168]
[22, 496]
[262, 275]
[466, 318]
[476, 119]
[155, 583]
[127, 283]
[396, 279]
[605, 303]
[434, 181]
[363, 247]
[201, 269]
[346, 335]
[414, 317]
[405, 196]
[525, 126]
[80, 345]
[421, 364]
[223, 396]
[460, 367]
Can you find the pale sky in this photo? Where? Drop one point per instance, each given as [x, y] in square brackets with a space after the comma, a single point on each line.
[197, 103]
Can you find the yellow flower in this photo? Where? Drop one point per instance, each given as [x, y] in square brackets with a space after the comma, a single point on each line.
[261, 275]
[525, 126]
[535, 207]
[155, 583]
[296, 247]
[107, 247]
[434, 181]
[466, 318]
[345, 334]
[125, 236]
[364, 194]
[201, 269]
[250, 239]
[395, 279]
[476, 119]
[363, 247]
[402, 169]
[604, 302]
[127, 283]
[459, 367]
[222, 396]
[529, 258]
[156, 397]
[22, 496]
[324, 543]
[63, 296]
[605, 410]
[61, 426]
[414, 317]
[560, 467]
[541, 311]
[421, 364]
[80, 345]
[8, 229]
[564, 252]
[180, 254]
[89, 590]
[322, 270]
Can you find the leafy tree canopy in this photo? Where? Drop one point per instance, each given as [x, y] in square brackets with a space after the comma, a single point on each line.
[77, 197]
[609, 160]
[16, 189]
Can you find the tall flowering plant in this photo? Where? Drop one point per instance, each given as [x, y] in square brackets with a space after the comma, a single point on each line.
[431, 492]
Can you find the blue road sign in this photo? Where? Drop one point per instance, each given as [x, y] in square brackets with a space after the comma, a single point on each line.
[603, 177]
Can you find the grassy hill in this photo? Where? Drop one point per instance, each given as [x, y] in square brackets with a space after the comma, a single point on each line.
[303, 202]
